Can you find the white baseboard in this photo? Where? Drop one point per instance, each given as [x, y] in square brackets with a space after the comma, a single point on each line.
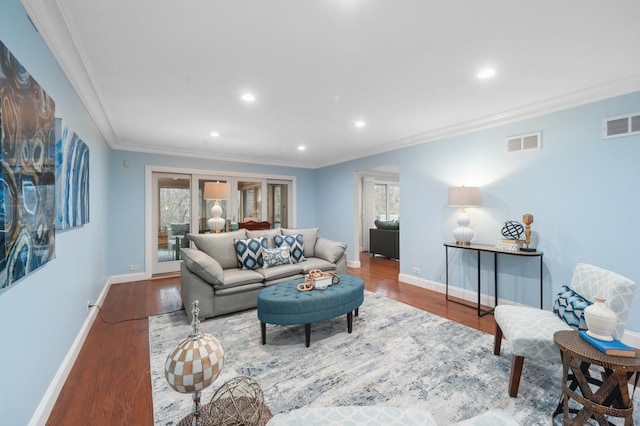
[43, 411]
[353, 263]
[631, 338]
[127, 278]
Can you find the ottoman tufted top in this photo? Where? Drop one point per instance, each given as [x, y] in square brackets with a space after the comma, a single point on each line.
[283, 304]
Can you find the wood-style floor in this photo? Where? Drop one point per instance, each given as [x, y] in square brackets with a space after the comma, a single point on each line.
[110, 383]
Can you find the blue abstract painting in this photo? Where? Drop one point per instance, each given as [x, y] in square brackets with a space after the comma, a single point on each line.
[72, 178]
[27, 190]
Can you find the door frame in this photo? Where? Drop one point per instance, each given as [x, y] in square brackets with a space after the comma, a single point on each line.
[200, 173]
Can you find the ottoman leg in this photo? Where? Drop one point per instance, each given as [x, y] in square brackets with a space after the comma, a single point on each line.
[356, 312]
[307, 334]
[263, 332]
[349, 321]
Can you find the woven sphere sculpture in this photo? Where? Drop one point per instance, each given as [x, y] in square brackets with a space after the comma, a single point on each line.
[238, 401]
[512, 230]
[194, 363]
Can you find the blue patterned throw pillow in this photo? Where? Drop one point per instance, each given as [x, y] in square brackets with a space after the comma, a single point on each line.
[276, 256]
[249, 252]
[295, 243]
[570, 306]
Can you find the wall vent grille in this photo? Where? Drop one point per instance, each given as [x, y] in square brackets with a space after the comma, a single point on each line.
[621, 126]
[527, 142]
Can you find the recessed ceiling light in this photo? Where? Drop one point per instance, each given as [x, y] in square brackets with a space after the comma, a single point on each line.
[215, 134]
[302, 148]
[249, 97]
[359, 123]
[486, 73]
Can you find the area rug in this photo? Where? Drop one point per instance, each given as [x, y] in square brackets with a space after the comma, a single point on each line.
[396, 356]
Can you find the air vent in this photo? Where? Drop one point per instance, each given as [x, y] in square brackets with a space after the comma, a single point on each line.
[621, 126]
[524, 142]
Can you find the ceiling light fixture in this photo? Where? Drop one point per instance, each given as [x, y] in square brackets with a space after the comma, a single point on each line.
[359, 124]
[249, 97]
[486, 73]
[302, 148]
[215, 134]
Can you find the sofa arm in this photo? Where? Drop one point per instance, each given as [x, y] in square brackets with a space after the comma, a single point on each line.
[203, 265]
[329, 250]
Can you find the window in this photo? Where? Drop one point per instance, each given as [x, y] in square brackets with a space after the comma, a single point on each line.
[387, 201]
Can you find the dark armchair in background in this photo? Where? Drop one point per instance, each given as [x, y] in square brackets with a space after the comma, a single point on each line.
[177, 237]
[385, 239]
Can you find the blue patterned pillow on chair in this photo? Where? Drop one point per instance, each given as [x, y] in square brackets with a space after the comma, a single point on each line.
[569, 307]
[249, 252]
[295, 243]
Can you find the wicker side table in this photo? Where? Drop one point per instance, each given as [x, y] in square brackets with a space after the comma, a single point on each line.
[609, 395]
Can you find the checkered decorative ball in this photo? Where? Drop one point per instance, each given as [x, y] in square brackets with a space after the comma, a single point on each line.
[194, 363]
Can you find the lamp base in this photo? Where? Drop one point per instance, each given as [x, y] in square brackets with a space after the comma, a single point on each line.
[463, 243]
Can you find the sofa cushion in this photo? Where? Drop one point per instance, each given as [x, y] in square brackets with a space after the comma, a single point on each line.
[203, 265]
[329, 250]
[220, 246]
[235, 277]
[295, 244]
[387, 224]
[270, 233]
[281, 271]
[569, 307]
[276, 256]
[316, 263]
[309, 236]
[249, 252]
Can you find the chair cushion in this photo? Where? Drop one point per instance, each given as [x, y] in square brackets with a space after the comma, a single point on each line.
[569, 307]
[529, 331]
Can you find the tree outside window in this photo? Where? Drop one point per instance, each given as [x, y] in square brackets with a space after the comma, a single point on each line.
[387, 201]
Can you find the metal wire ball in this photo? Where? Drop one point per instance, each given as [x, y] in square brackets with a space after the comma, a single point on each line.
[238, 401]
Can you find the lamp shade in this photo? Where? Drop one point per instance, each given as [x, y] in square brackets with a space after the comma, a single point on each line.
[216, 191]
[464, 196]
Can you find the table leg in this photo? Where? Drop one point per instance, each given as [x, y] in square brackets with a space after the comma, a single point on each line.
[479, 289]
[446, 273]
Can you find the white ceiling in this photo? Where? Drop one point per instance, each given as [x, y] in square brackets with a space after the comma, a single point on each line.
[160, 75]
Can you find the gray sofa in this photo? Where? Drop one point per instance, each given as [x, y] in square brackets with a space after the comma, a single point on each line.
[210, 272]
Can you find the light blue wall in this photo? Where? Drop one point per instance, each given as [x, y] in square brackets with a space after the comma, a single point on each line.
[580, 188]
[127, 198]
[42, 314]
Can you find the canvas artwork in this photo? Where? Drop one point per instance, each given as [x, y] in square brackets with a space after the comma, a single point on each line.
[72, 178]
[27, 232]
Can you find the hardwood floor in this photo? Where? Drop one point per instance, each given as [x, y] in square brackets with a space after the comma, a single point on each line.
[110, 383]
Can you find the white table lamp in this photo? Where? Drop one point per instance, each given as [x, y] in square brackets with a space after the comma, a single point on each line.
[216, 191]
[463, 197]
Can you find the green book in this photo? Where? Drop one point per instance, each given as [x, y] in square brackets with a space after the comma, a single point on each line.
[612, 347]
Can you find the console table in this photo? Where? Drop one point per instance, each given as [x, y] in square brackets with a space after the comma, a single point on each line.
[479, 248]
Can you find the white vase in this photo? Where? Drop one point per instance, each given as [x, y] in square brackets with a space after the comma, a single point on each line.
[601, 320]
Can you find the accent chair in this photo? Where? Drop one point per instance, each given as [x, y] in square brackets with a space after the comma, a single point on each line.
[529, 331]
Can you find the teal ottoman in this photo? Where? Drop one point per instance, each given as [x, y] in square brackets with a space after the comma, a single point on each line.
[283, 304]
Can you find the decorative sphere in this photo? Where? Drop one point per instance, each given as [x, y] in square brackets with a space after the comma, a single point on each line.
[239, 401]
[194, 363]
[512, 230]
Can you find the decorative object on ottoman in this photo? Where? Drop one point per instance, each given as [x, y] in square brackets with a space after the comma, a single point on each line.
[463, 197]
[316, 279]
[239, 401]
[528, 220]
[194, 363]
[601, 320]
